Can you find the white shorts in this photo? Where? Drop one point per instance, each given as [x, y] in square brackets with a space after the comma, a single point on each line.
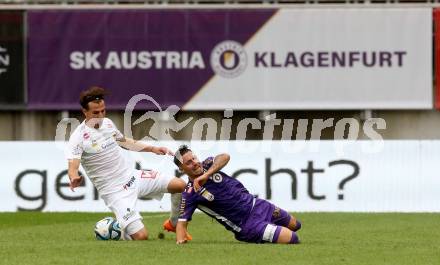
[142, 183]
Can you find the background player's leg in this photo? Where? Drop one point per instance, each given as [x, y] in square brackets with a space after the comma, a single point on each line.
[175, 203]
[176, 186]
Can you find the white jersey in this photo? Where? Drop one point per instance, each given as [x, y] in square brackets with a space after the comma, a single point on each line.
[101, 156]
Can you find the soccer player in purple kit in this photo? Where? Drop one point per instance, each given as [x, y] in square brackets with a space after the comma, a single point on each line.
[229, 202]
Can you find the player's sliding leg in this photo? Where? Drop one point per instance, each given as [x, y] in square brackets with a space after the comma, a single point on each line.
[175, 187]
[175, 204]
[123, 205]
[284, 235]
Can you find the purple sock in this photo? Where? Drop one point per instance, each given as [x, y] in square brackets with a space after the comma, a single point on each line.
[277, 234]
[294, 239]
[297, 226]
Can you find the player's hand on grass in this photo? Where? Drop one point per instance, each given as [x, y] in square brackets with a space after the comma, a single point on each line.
[162, 151]
[199, 181]
[75, 182]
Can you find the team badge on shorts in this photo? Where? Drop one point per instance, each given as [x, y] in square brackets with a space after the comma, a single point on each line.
[217, 178]
[229, 59]
[276, 213]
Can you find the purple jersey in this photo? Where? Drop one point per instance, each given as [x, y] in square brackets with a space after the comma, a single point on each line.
[221, 197]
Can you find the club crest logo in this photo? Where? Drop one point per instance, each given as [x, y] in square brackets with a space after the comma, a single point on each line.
[229, 59]
[217, 178]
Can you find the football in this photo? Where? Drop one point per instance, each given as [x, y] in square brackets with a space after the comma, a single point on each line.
[107, 228]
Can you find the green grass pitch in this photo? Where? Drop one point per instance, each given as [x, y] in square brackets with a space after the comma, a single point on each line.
[327, 238]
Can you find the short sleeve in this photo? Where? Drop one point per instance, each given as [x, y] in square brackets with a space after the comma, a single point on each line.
[118, 135]
[188, 205]
[207, 163]
[74, 148]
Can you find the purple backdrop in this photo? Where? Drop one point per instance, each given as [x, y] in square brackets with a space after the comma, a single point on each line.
[55, 35]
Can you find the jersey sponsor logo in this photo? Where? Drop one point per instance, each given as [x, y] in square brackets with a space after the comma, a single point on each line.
[217, 178]
[129, 183]
[182, 207]
[229, 59]
[106, 145]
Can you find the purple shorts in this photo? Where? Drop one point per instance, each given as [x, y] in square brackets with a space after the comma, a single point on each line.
[263, 213]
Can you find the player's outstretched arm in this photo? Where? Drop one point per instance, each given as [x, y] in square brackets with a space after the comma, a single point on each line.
[220, 162]
[138, 146]
[74, 177]
[181, 231]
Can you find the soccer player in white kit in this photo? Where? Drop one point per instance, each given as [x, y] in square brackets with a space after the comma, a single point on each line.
[96, 145]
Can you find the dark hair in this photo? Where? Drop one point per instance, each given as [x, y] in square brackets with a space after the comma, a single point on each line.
[183, 149]
[94, 94]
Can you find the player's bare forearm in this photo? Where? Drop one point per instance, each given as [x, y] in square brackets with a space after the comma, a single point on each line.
[133, 145]
[74, 177]
[73, 167]
[220, 162]
[138, 146]
[181, 231]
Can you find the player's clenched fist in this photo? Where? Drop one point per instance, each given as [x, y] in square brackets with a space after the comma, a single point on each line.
[75, 181]
[199, 181]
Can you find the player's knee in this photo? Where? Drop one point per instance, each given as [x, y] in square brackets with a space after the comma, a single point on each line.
[136, 230]
[284, 235]
[176, 185]
[143, 235]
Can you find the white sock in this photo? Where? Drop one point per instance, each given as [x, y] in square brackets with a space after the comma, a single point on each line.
[125, 236]
[175, 204]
